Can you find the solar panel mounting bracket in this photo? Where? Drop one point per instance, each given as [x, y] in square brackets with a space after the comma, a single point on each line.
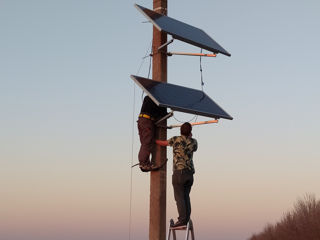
[170, 114]
[165, 44]
[160, 8]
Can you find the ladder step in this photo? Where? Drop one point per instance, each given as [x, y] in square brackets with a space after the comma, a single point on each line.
[179, 228]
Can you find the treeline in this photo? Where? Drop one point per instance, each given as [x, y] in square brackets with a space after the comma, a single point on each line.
[302, 223]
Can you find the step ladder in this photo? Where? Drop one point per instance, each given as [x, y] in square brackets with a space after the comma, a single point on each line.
[188, 229]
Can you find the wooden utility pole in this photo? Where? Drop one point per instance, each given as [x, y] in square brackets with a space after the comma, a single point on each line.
[158, 179]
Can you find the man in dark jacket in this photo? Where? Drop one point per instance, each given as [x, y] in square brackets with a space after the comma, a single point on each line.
[149, 114]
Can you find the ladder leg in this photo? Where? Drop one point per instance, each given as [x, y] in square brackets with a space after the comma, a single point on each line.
[174, 234]
[169, 228]
[187, 235]
[192, 230]
[187, 230]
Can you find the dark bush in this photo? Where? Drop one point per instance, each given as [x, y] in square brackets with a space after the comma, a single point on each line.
[302, 223]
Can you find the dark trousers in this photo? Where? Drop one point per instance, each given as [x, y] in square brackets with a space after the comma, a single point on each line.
[182, 181]
[146, 134]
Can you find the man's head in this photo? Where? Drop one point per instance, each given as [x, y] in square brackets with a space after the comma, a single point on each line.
[186, 129]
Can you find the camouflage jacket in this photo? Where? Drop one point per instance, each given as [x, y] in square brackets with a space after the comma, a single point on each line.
[183, 149]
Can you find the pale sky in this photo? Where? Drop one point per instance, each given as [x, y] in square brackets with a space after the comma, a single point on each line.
[69, 108]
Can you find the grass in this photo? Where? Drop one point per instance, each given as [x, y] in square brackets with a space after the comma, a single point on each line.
[302, 223]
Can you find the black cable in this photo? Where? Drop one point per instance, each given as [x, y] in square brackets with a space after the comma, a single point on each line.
[201, 76]
[194, 117]
[150, 56]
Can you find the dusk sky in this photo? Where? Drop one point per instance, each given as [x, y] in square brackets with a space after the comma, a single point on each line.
[69, 109]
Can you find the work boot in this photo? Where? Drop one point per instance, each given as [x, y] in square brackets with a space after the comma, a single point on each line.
[145, 167]
[179, 224]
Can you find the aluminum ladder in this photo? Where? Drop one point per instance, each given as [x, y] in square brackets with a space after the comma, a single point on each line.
[188, 229]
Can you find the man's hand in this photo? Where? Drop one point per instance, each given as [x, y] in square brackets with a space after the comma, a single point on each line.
[163, 143]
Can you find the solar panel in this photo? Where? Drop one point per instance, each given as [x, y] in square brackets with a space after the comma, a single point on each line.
[182, 31]
[180, 98]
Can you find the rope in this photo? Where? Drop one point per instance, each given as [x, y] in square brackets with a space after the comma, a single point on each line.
[144, 57]
[132, 136]
[132, 145]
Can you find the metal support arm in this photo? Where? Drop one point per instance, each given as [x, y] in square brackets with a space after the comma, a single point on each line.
[192, 54]
[170, 114]
[165, 44]
[195, 123]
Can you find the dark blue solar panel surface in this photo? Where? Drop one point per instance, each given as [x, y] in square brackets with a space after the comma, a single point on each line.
[181, 99]
[182, 31]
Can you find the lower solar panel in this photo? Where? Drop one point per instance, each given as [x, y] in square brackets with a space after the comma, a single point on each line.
[180, 98]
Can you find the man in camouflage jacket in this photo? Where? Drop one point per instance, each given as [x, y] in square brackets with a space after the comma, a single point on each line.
[183, 170]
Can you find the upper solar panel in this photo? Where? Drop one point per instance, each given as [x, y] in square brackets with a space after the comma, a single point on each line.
[182, 31]
[180, 98]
